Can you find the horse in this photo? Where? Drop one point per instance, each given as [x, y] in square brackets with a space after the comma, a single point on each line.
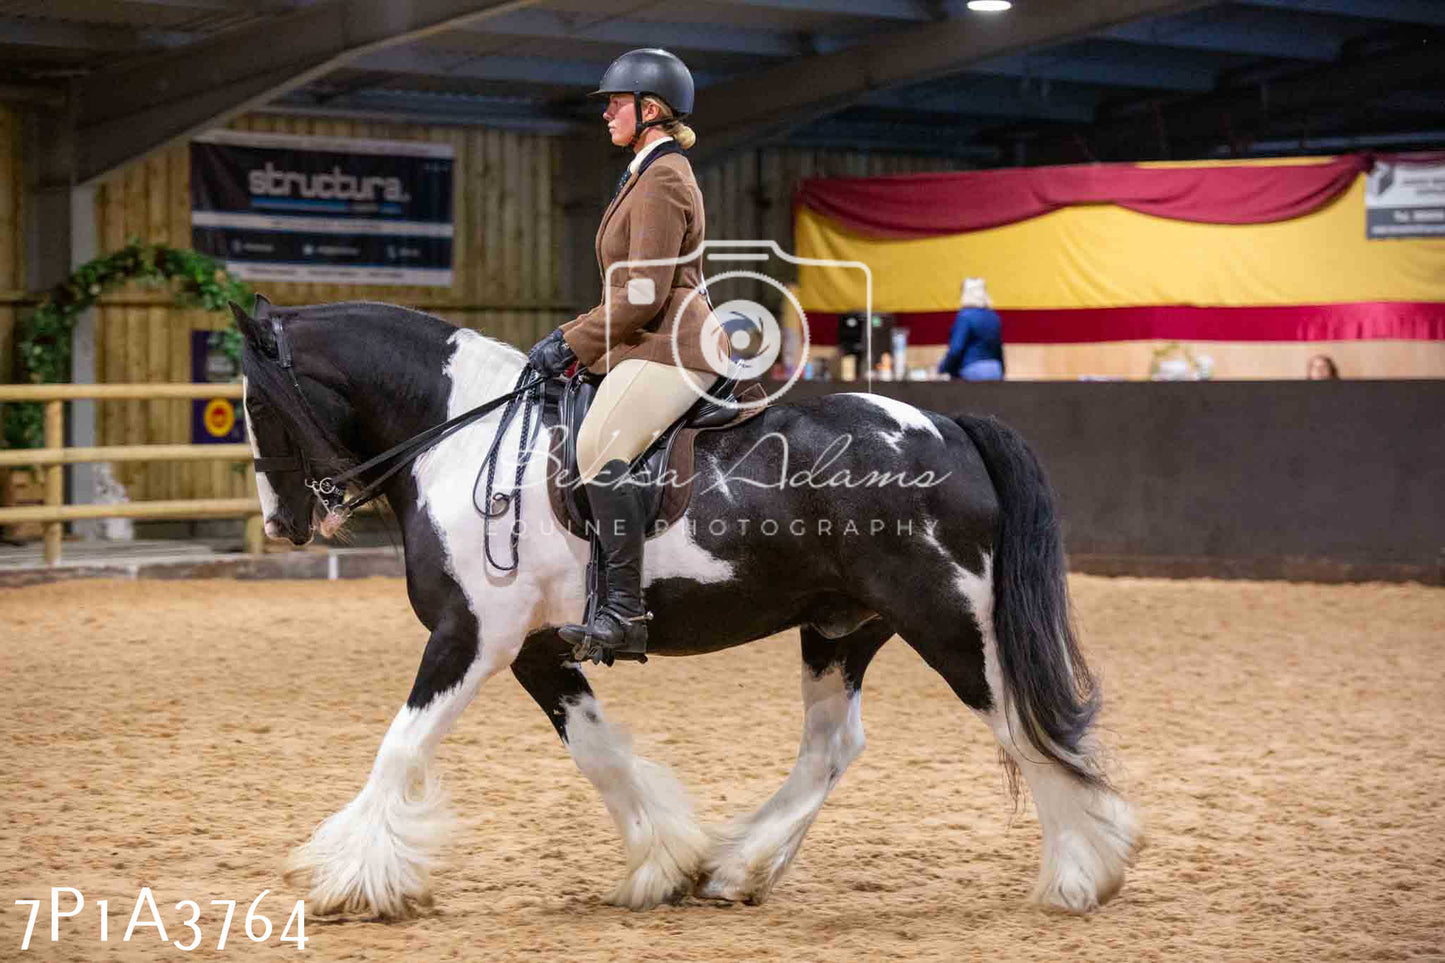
[955, 546]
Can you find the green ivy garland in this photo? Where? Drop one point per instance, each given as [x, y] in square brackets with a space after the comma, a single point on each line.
[45, 336]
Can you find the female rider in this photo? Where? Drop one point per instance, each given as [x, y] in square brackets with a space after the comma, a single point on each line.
[646, 335]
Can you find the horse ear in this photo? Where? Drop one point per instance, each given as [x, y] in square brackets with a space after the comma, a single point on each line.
[251, 329]
[262, 308]
[244, 323]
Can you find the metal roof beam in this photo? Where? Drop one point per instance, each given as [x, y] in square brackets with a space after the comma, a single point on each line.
[435, 62]
[229, 6]
[828, 135]
[1104, 71]
[906, 10]
[769, 101]
[28, 32]
[512, 113]
[1011, 105]
[125, 112]
[1254, 39]
[1340, 144]
[1429, 12]
[46, 95]
[1240, 114]
[711, 38]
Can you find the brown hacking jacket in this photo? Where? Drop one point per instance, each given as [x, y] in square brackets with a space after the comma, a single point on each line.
[658, 215]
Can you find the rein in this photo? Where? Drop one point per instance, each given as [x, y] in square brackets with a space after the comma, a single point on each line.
[409, 450]
[329, 488]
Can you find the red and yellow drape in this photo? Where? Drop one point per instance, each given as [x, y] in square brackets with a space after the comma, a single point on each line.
[1232, 251]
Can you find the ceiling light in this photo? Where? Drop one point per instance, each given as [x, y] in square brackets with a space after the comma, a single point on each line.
[989, 6]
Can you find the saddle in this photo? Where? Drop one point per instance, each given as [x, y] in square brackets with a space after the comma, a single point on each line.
[664, 471]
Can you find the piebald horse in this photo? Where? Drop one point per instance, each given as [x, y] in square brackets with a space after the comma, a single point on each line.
[852, 517]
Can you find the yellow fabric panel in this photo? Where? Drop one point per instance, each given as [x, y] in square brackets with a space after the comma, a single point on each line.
[1101, 256]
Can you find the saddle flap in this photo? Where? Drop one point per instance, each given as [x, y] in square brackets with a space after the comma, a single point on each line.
[666, 465]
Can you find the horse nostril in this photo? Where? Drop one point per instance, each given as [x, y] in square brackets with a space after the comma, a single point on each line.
[273, 530]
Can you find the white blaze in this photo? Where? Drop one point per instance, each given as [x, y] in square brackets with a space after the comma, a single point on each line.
[267, 494]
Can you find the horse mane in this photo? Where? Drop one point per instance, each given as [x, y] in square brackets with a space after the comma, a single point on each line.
[382, 310]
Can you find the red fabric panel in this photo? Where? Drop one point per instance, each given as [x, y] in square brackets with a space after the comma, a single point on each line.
[926, 205]
[1372, 320]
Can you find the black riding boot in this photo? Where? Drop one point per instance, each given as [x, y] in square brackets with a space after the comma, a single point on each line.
[619, 622]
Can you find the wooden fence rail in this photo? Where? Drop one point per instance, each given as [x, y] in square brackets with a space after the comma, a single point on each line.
[54, 513]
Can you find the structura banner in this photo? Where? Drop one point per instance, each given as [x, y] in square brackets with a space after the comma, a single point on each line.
[283, 207]
[1405, 199]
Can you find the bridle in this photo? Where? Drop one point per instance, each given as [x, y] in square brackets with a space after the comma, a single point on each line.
[330, 489]
[324, 489]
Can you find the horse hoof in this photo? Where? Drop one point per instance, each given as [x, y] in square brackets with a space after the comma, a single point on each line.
[374, 857]
[646, 894]
[1084, 867]
[713, 890]
[715, 886]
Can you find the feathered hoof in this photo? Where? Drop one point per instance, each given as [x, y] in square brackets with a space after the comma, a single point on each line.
[718, 887]
[642, 892]
[374, 858]
[729, 874]
[665, 845]
[1084, 864]
[667, 875]
[353, 900]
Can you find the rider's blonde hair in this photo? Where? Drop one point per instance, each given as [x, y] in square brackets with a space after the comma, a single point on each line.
[674, 128]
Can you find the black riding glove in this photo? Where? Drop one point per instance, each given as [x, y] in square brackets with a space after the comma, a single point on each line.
[551, 356]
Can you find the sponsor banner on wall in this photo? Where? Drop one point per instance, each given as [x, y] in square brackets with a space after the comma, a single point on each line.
[283, 207]
[1405, 200]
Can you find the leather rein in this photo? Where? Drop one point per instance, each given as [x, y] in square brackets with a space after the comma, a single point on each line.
[330, 490]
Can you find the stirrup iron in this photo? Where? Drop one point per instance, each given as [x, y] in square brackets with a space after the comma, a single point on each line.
[589, 648]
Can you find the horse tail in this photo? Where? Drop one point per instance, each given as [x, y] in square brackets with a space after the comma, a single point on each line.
[1044, 673]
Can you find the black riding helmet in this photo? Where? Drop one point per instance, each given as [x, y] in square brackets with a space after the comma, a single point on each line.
[649, 70]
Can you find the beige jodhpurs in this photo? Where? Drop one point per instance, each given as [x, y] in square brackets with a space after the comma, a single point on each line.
[634, 404]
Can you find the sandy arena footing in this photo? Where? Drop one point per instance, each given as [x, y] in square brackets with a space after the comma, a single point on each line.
[1284, 742]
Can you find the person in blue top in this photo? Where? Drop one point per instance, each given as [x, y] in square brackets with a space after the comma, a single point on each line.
[975, 348]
